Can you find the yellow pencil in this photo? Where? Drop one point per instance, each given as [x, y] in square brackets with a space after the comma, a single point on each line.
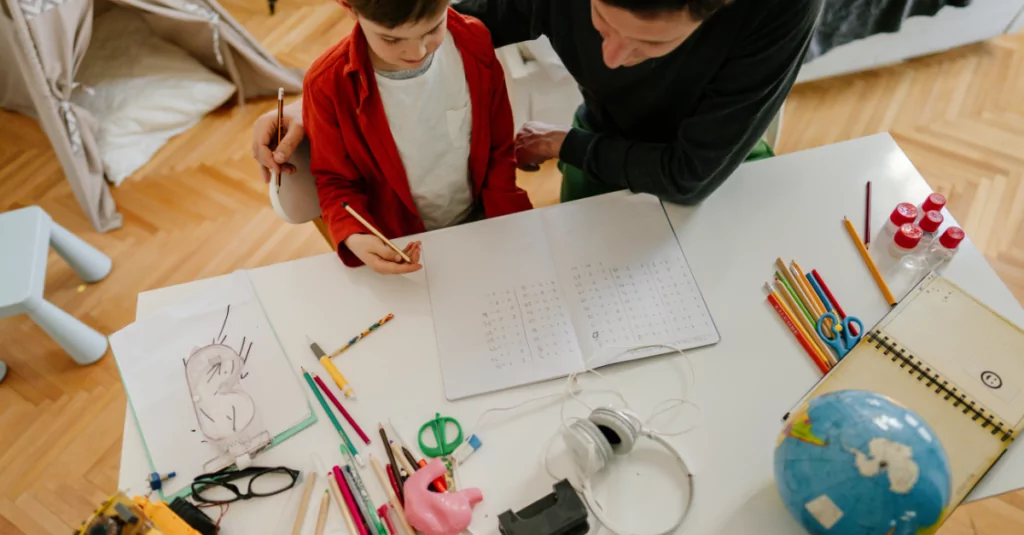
[806, 328]
[870, 263]
[375, 231]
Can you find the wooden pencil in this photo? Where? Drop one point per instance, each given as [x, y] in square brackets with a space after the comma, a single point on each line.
[392, 497]
[809, 330]
[797, 333]
[802, 275]
[792, 293]
[402, 460]
[339, 500]
[321, 520]
[884, 288]
[280, 130]
[806, 293]
[867, 214]
[391, 458]
[375, 232]
[300, 516]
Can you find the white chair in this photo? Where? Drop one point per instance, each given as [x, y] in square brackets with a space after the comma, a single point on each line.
[295, 199]
[26, 236]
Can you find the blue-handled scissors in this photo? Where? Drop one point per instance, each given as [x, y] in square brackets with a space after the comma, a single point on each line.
[842, 338]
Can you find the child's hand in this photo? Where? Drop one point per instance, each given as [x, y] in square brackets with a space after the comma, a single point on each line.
[382, 258]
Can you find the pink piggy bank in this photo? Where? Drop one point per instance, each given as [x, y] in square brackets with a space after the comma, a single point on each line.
[435, 513]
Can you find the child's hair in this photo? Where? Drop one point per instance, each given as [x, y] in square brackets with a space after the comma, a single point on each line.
[394, 13]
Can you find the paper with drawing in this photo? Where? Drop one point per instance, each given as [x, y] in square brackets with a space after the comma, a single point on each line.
[208, 381]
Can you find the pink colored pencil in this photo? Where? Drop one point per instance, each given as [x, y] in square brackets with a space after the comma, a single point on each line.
[348, 417]
[350, 502]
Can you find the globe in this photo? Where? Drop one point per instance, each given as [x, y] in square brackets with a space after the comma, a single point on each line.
[857, 463]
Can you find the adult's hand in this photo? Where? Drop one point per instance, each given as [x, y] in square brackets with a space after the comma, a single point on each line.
[264, 134]
[381, 258]
[537, 143]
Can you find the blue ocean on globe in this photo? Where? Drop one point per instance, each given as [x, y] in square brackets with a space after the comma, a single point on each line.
[856, 463]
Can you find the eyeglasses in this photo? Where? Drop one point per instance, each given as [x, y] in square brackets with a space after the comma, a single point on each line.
[217, 488]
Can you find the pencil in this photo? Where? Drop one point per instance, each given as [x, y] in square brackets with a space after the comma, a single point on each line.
[831, 298]
[811, 352]
[341, 409]
[789, 291]
[361, 335]
[809, 329]
[392, 478]
[280, 129]
[870, 263]
[350, 503]
[867, 214]
[339, 499]
[375, 231]
[402, 460]
[798, 276]
[377, 469]
[362, 498]
[438, 484]
[322, 519]
[300, 516]
[391, 458]
[332, 370]
[819, 292]
[330, 414]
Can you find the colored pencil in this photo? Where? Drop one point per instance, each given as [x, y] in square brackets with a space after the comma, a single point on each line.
[789, 291]
[438, 484]
[798, 276]
[392, 497]
[332, 370]
[867, 214]
[831, 298]
[409, 470]
[884, 288]
[819, 292]
[339, 499]
[330, 414]
[322, 519]
[341, 409]
[811, 352]
[392, 478]
[391, 457]
[375, 232]
[350, 503]
[809, 328]
[300, 516]
[362, 498]
[360, 336]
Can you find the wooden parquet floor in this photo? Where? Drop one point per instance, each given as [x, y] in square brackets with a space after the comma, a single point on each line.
[199, 209]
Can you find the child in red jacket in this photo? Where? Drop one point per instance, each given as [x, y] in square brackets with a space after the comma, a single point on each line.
[409, 123]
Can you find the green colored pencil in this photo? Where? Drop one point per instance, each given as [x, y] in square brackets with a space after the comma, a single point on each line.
[796, 298]
[330, 415]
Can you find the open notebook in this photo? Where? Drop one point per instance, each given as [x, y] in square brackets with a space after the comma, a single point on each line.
[542, 294]
[956, 363]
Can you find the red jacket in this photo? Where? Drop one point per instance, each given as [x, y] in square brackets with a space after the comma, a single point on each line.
[354, 156]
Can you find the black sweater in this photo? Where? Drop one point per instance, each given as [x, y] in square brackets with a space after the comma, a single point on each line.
[675, 126]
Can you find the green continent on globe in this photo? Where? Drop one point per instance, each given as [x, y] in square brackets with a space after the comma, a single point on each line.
[800, 429]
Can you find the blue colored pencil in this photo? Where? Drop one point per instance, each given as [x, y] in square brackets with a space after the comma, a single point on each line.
[821, 294]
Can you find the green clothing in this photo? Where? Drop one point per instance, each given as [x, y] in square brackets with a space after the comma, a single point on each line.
[577, 185]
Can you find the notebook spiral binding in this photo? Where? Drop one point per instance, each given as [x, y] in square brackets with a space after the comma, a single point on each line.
[916, 366]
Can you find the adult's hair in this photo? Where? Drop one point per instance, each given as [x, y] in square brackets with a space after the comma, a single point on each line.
[699, 9]
[394, 13]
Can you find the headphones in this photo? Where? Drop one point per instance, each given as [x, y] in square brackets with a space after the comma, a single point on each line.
[608, 432]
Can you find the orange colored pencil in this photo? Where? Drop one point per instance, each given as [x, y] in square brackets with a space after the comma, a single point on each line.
[803, 323]
[811, 351]
[870, 263]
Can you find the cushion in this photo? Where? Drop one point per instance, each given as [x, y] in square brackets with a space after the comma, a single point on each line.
[142, 90]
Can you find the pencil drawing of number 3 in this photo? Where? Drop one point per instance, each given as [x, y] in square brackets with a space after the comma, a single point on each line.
[213, 373]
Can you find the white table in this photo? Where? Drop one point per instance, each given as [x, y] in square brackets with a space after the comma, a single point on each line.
[790, 206]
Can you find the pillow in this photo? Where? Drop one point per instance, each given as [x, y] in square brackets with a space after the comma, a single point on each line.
[142, 90]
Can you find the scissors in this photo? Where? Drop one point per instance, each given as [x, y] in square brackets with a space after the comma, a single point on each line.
[437, 426]
[842, 338]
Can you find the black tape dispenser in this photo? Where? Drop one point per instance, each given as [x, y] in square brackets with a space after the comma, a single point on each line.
[560, 513]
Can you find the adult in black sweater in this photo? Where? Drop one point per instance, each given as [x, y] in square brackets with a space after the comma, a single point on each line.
[676, 92]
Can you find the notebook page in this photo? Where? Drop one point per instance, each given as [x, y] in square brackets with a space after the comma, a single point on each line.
[971, 450]
[966, 342]
[500, 316]
[626, 280]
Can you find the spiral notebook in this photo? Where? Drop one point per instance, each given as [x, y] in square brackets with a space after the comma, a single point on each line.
[956, 363]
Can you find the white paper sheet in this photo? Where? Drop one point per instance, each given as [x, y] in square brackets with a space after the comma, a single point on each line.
[152, 353]
[545, 293]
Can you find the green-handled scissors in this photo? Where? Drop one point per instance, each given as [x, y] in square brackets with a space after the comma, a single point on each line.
[437, 426]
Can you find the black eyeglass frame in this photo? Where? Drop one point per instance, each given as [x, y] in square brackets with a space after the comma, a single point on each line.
[224, 479]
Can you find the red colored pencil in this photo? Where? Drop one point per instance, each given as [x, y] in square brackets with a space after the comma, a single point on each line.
[394, 482]
[823, 366]
[832, 298]
[348, 417]
[867, 216]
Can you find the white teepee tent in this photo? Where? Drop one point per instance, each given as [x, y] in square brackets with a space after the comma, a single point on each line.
[42, 43]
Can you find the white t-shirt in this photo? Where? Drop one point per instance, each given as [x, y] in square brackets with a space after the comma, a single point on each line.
[430, 120]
